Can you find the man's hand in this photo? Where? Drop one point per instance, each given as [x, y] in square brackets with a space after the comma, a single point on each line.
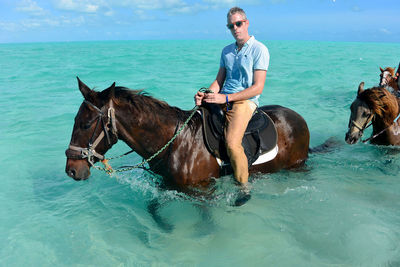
[198, 98]
[215, 98]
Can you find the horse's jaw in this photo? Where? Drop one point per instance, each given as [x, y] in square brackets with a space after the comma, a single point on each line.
[77, 169]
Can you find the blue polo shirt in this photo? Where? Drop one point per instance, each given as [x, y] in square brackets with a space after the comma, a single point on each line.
[240, 65]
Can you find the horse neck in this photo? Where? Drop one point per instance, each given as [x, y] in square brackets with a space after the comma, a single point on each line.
[379, 123]
[143, 132]
[393, 83]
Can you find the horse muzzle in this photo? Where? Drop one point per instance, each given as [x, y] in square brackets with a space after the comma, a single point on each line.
[77, 169]
[352, 138]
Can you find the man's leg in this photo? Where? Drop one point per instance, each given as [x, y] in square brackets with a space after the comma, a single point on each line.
[237, 120]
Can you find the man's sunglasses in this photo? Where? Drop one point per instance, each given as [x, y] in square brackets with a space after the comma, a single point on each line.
[237, 23]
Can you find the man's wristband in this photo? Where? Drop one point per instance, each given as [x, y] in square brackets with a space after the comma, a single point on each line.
[227, 102]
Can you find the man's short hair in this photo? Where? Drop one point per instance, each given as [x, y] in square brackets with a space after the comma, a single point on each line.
[235, 10]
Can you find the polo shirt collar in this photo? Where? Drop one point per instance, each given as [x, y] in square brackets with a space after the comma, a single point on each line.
[250, 41]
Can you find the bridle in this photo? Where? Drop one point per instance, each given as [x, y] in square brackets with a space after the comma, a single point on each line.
[89, 153]
[365, 126]
[362, 128]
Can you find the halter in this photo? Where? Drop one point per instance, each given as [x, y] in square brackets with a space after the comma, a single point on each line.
[365, 126]
[76, 152]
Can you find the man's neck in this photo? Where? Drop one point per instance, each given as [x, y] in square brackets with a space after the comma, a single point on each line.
[240, 43]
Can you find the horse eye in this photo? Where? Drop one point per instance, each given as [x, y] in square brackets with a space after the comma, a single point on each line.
[85, 126]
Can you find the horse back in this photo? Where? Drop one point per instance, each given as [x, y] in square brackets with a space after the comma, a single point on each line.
[293, 139]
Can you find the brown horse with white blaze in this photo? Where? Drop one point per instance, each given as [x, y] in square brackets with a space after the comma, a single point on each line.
[388, 79]
[147, 124]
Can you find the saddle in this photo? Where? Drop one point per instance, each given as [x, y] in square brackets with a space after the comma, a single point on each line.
[260, 136]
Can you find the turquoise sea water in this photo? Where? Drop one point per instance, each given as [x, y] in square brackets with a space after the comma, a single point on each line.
[343, 211]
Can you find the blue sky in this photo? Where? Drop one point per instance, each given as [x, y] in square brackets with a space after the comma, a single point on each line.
[86, 20]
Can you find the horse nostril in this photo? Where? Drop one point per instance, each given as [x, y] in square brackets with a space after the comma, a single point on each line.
[72, 173]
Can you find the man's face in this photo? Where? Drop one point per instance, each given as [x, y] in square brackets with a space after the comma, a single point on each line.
[240, 32]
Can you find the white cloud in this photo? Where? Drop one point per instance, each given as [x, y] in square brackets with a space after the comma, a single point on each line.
[84, 6]
[156, 4]
[189, 9]
[141, 14]
[94, 6]
[9, 26]
[30, 7]
[109, 13]
[385, 31]
[231, 3]
[91, 8]
[28, 24]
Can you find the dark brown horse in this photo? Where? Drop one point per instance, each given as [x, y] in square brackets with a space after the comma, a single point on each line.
[147, 124]
[388, 79]
[379, 106]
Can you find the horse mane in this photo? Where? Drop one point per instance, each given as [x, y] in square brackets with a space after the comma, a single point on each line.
[146, 104]
[381, 102]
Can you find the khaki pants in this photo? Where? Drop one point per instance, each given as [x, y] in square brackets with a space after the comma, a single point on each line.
[237, 120]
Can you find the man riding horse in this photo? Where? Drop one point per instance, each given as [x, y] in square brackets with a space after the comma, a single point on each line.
[238, 85]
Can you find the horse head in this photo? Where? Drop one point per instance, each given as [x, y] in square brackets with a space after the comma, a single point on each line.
[94, 131]
[360, 116]
[387, 76]
[377, 105]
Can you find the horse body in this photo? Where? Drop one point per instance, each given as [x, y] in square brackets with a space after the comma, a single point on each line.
[293, 140]
[378, 106]
[147, 124]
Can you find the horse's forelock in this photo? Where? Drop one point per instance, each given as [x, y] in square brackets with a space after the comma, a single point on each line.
[391, 70]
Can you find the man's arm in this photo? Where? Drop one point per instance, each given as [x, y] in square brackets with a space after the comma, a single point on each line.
[255, 89]
[219, 81]
[215, 86]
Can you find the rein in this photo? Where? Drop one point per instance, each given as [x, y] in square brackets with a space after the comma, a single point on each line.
[109, 170]
[376, 135]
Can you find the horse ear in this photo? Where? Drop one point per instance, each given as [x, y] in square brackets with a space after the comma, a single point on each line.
[360, 88]
[85, 90]
[381, 69]
[112, 90]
